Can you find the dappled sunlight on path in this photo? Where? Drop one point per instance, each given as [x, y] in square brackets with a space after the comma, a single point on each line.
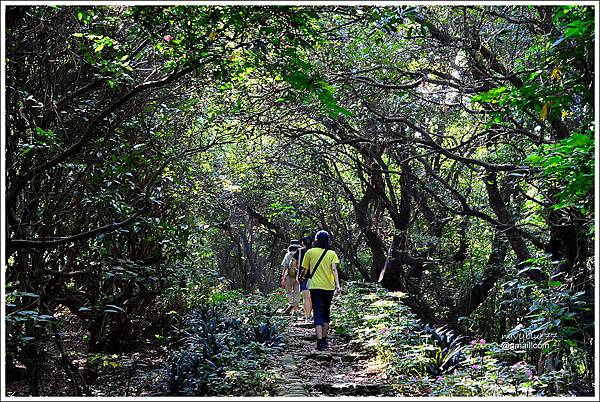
[340, 370]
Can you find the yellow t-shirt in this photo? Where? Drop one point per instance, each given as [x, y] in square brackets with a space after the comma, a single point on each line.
[323, 278]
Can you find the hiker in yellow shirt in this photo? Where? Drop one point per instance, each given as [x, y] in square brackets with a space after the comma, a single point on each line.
[320, 266]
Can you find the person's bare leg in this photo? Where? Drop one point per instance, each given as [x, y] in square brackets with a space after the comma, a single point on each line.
[295, 286]
[304, 303]
[319, 331]
[307, 304]
[289, 289]
[325, 330]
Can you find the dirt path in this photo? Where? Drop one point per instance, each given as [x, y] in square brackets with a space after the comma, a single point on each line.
[338, 371]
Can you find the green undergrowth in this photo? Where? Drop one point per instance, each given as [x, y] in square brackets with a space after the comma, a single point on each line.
[419, 360]
[220, 347]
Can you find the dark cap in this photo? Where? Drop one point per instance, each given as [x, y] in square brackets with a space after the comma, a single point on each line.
[322, 234]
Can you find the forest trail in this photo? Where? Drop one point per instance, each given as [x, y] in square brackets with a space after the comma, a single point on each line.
[341, 370]
[160, 160]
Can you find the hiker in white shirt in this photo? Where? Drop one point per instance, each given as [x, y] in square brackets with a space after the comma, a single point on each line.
[289, 278]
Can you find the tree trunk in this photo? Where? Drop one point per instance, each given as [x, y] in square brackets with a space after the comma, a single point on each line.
[494, 269]
[513, 234]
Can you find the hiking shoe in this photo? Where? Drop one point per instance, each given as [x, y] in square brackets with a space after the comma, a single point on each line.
[325, 342]
[321, 344]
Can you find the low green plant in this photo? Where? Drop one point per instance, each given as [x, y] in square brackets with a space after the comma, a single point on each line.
[267, 333]
[228, 296]
[224, 348]
[445, 353]
[182, 375]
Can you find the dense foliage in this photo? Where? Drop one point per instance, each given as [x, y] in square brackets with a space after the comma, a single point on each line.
[158, 156]
[224, 348]
[424, 361]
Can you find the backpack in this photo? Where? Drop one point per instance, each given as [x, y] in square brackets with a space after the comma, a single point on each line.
[293, 269]
[296, 264]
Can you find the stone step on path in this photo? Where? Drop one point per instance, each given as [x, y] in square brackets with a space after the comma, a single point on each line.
[337, 371]
[351, 389]
[309, 336]
[342, 357]
[292, 384]
[302, 324]
[300, 339]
